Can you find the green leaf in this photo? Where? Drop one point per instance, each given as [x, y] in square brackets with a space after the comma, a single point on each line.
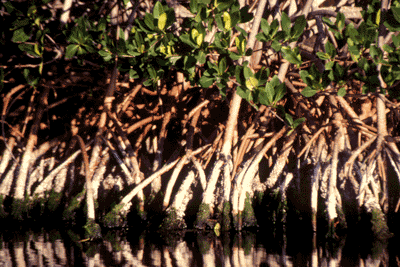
[71, 50]
[392, 19]
[355, 53]
[289, 119]
[222, 66]
[139, 39]
[10, 8]
[270, 91]
[162, 20]
[149, 21]
[206, 81]
[265, 26]
[265, 98]
[341, 92]
[20, 23]
[274, 81]
[293, 56]
[308, 92]
[306, 77]
[286, 24]
[298, 27]
[339, 71]
[329, 22]
[262, 75]
[262, 37]
[274, 28]
[20, 36]
[158, 10]
[239, 74]
[396, 41]
[331, 75]
[280, 91]
[193, 6]
[340, 21]
[280, 35]
[133, 74]
[353, 35]
[185, 38]
[201, 57]
[396, 13]
[330, 49]
[243, 93]
[28, 48]
[242, 31]
[247, 72]
[152, 72]
[329, 65]
[148, 82]
[374, 51]
[106, 55]
[26, 74]
[368, 32]
[219, 22]
[298, 121]
[223, 5]
[323, 56]
[276, 45]
[234, 56]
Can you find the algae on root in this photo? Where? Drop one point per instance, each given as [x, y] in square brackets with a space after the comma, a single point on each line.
[172, 222]
[249, 218]
[380, 228]
[115, 218]
[92, 230]
[69, 213]
[20, 208]
[54, 200]
[339, 223]
[3, 213]
[226, 216]
[203, 216]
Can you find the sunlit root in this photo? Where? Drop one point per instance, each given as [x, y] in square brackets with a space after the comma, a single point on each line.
[175, 213]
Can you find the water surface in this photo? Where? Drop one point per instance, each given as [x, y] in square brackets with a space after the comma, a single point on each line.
[49, 247]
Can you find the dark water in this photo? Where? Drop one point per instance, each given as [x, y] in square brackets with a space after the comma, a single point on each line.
[62, 247]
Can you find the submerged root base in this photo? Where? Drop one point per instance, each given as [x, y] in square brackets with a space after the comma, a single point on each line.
[380, 228]
[203, 216]
[226, 218]
[249, 219]
[172, 222]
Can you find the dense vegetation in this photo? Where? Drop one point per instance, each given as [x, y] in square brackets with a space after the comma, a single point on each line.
[112, 107]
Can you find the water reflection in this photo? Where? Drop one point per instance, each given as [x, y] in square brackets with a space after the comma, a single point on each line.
[56, 248]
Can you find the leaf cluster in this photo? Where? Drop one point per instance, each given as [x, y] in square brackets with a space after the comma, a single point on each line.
[210, 46]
